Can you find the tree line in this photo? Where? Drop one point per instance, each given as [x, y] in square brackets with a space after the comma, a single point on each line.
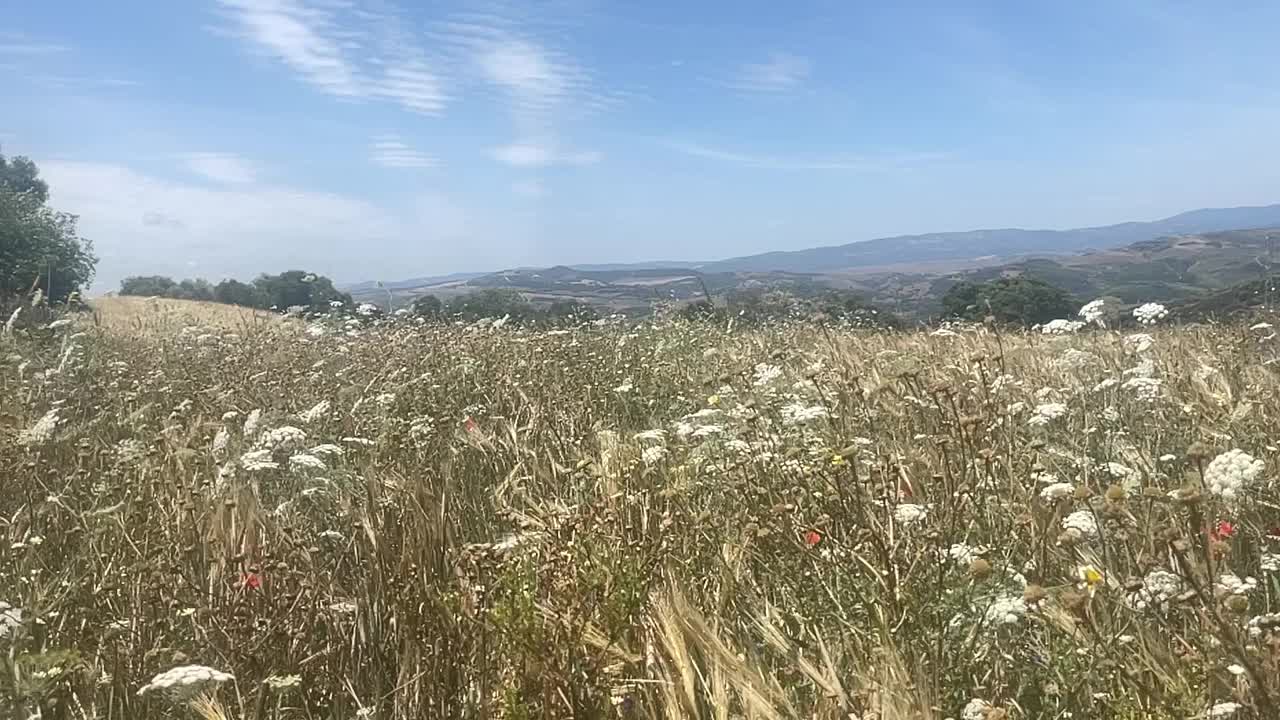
[40, 247]
[293, 288]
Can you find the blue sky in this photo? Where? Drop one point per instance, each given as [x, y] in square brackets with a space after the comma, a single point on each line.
[375, 139]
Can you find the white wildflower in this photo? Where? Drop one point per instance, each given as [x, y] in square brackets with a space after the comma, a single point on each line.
[285, 437]
[1057, 491]
[1144, 369]
[1061, 327]
[654, 454]
[358, 441]
[1006, 610]
[1139, 342]
[625, 387]
[1150, 313]
[328, 449]
[1046, 412]
[1224, 709]
[909, 514]
[1229, 473]
[706, 430]
[1093, 311]
[10, 619]
[976, 709]
[1158, 588]
[1146, 389]
[800, 414]
[1105, 384]
[316, 412]
[654, 435]
[252, 423]
[366, 309]
[1232, 584]
[282, 682]
[1074, 359]
[186, 681]
[219, 447]
[766, 374]
[1270, 562]
[303, 461]
[42, 431]
[255, 460]
[963, 554]
[1083, 522]
[229, 415]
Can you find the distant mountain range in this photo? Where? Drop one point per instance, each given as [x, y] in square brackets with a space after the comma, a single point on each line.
[1160, 260]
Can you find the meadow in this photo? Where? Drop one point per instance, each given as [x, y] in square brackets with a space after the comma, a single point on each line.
[357, 517]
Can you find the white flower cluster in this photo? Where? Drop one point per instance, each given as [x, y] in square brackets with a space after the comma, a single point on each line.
[1231, 584]
[1006, 610]
[255, 460]
[1046, 412]
[797, 413]
[766, 374]
[909, 514]
[10, 618]
[1139, 342]
[1093, 310]
[976, 709]
[186, 681]
[282, 438]
[1270, 562]
[316, 412]
[1073, 359]
[1224, 709]
[42, 431]
[1158, 588]
[1145, 389]
[653, 455]
[1083, 522]
[963, 554]
[328, 450]
[1150, 313]
[303, 462]
[366, 309]
[1056, 491]
[1229, 473]
[1061, 327]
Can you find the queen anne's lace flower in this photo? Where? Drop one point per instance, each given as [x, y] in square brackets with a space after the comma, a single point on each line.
[258, 460]
[1007, 610]
[1224, 709]
[282, 438]
[303, 461]
[1146, 389]
[1093, 310]
[1231, 472]
[1047, 412]
[766, 374]
[652, 455]
[1061, 327]
[1231, 584]
[909, 514]
[799, 413]
[1081, 521]
[1158, 588]
[1150, 313]
[976, 709]
[10, 619]
[1056, 491]
[186, 681]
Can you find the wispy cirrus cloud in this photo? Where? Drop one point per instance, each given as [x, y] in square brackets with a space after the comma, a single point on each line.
[391, 151]
[836, 162]
[781, 72]
[532, 154]
[341, 50]
[225, 168]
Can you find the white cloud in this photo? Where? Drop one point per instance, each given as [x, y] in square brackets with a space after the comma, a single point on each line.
[539, 154]
[781, 72]
[877, 163]
[220, 167]
[142, 224]
[392, 152]
[340, 50]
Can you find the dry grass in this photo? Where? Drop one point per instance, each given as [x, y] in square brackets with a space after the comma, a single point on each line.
[397, 521]
[138, 314]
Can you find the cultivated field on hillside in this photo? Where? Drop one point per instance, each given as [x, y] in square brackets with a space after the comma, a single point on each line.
[380, 519]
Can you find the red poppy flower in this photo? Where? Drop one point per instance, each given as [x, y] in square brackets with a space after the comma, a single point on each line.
[251, 581]
[1223, 530]
[812, 538]
[469, 424]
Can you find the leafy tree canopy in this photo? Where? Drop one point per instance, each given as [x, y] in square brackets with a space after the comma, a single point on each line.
[39, 246]
[1020, 300]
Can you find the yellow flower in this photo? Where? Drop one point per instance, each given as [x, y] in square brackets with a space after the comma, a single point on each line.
[713, 400]
[1090, 578]
[837, 460]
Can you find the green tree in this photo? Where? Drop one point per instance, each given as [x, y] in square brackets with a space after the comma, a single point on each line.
[428, 306]
[20, 175]
[39, 246]
[148, 286]
[1019, 300]
[491, 303]
[298, 288]
[571, 312]
[234, 292]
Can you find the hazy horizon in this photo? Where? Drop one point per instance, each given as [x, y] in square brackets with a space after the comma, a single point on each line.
[376, 140]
